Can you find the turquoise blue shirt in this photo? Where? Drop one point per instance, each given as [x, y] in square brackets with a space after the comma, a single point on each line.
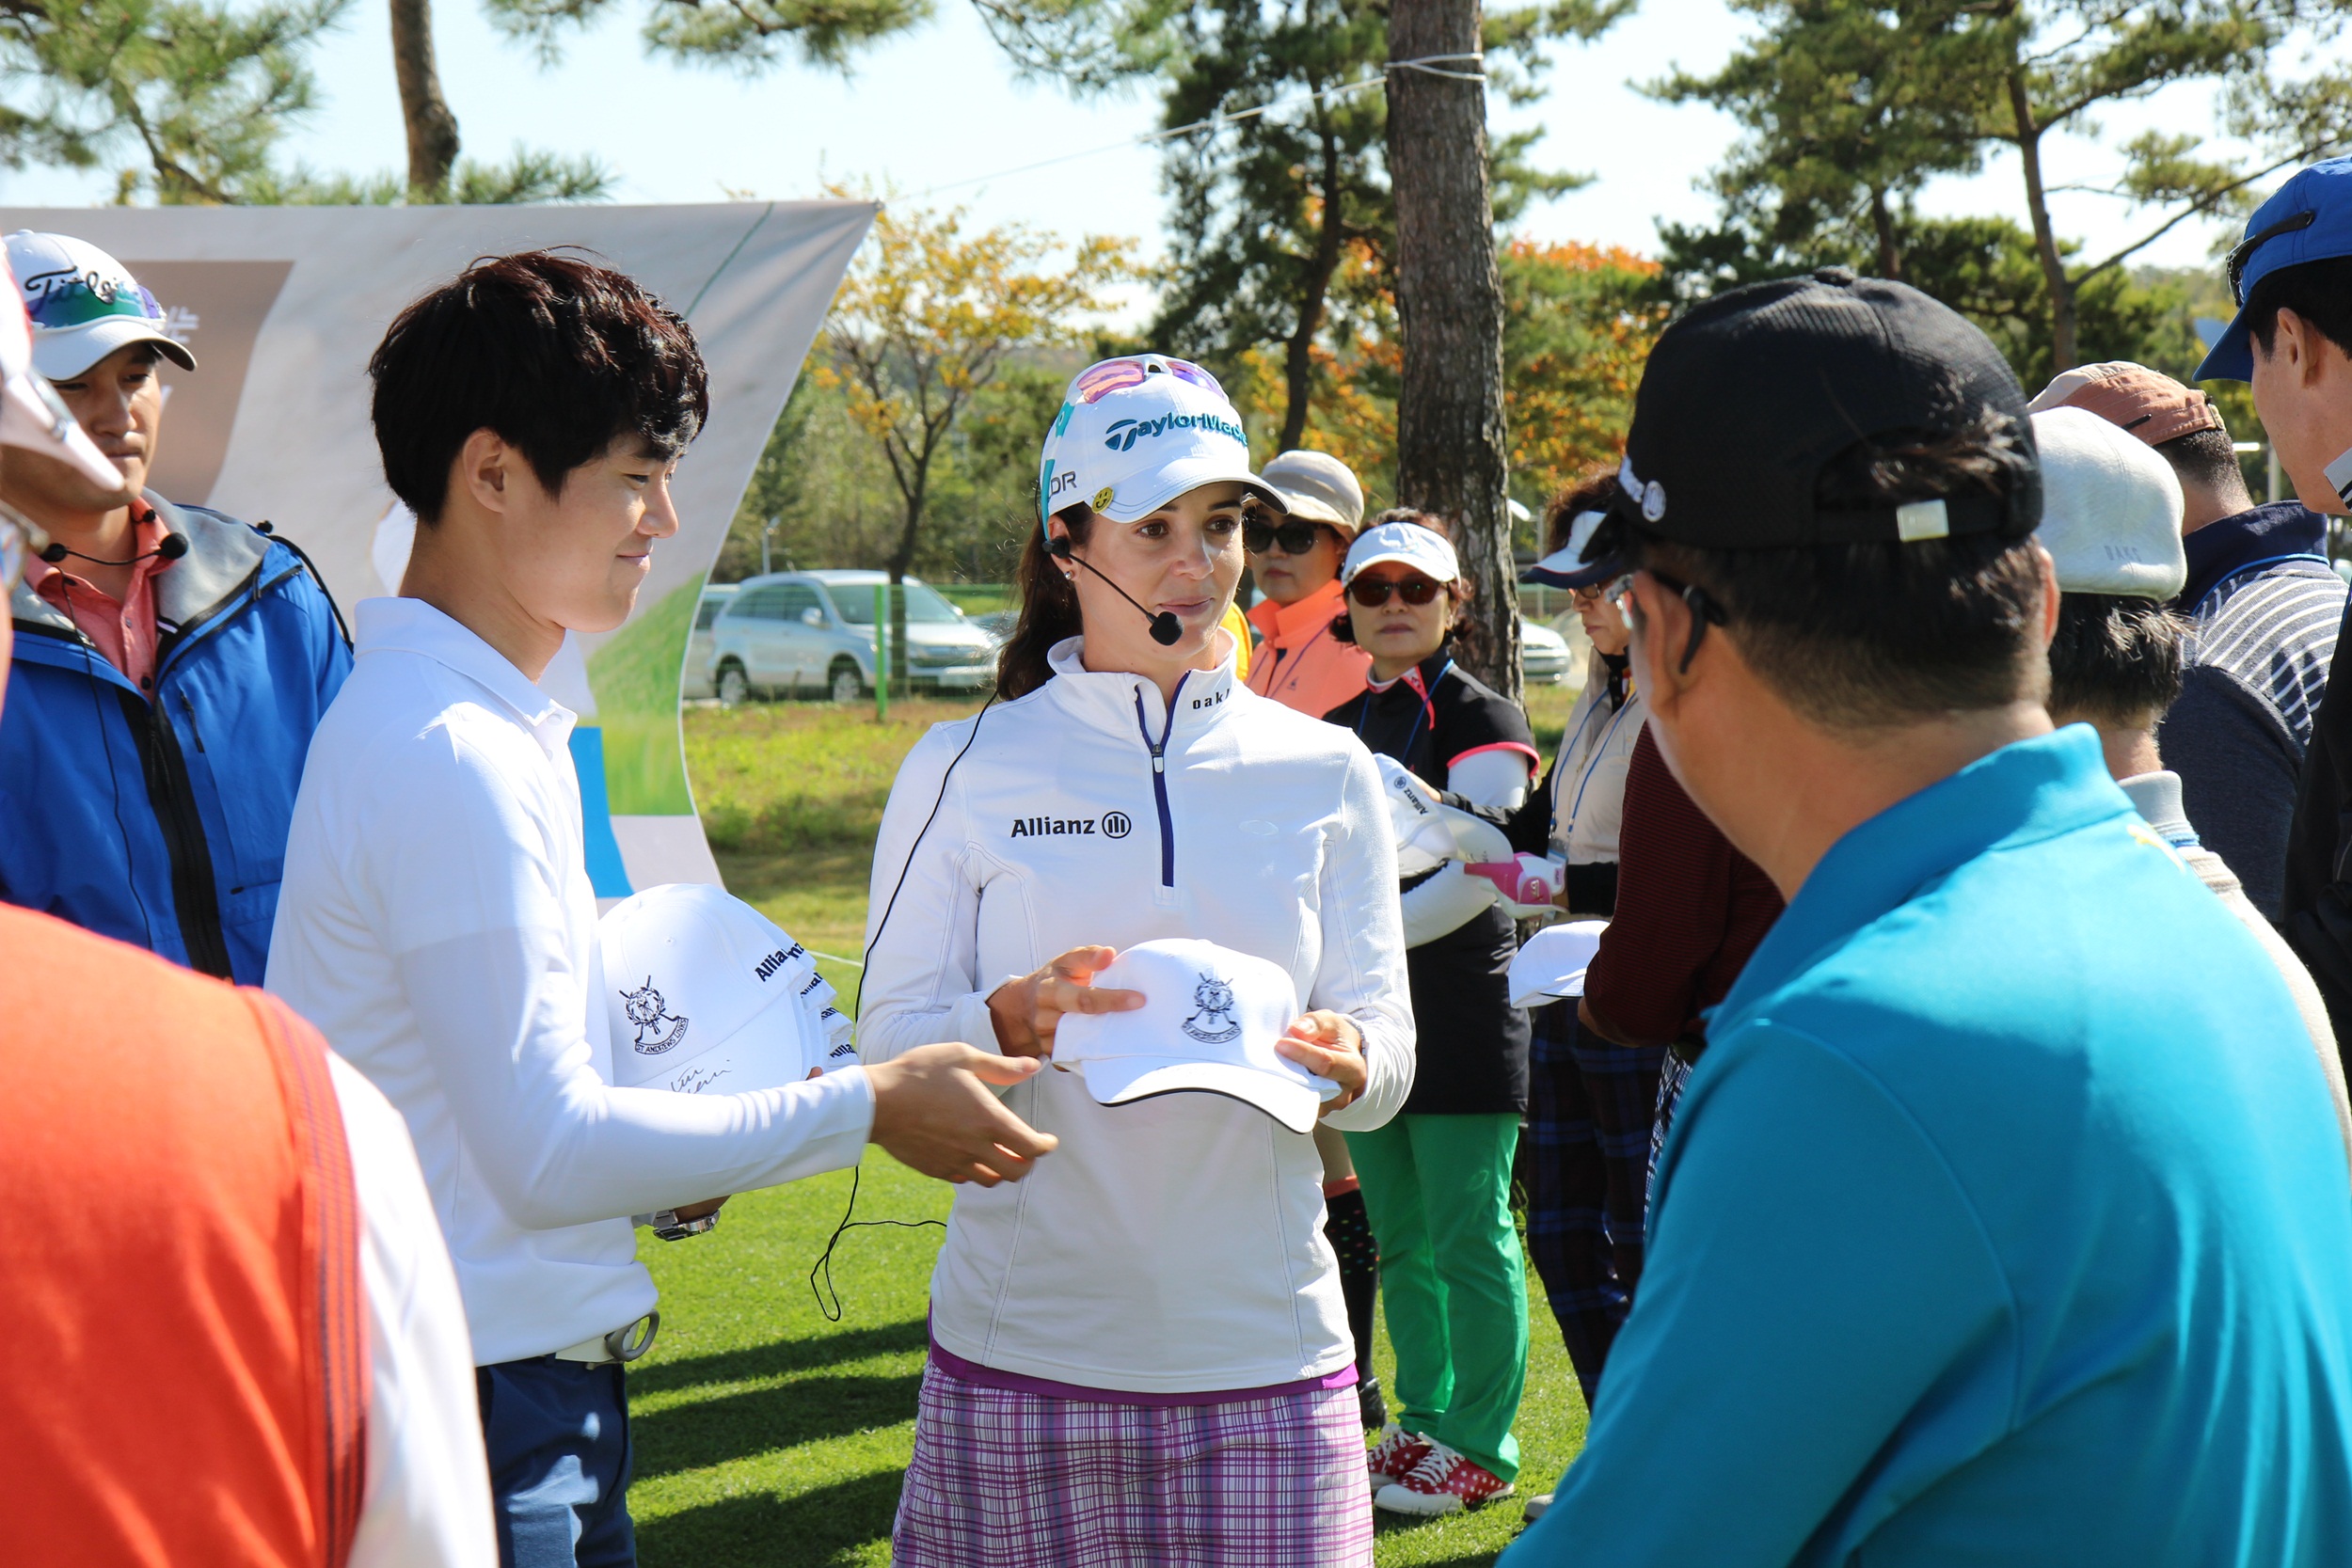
[2005, 1222]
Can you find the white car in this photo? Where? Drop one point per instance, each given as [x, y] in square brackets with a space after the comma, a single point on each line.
[1543, 654]
[790, 632]
[696, 682]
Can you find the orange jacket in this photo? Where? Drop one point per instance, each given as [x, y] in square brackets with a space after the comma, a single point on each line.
[187, 1375]
[1300, 664]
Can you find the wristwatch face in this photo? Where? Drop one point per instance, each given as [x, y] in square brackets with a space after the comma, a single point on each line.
[667, 1225]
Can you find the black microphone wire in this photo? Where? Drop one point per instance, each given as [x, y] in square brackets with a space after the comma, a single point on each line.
[832, 1309]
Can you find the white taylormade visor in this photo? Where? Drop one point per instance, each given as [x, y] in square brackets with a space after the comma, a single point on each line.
[706, 995]
[1209, 1023]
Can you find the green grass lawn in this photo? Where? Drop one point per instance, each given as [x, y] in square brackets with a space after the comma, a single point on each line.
[765, 1434]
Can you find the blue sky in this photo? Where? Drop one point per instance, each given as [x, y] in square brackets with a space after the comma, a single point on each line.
[942, 108]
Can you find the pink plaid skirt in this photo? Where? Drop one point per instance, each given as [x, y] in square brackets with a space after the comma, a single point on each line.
[1009, 1480]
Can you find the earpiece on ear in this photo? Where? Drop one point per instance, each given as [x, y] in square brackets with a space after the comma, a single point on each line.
[1058, 547]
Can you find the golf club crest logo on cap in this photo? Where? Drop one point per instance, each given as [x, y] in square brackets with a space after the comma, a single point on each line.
[1213, 1021]
[657, 1028]
[1102, 498]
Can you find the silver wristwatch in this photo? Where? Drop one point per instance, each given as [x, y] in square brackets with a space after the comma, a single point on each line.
[667, 1225]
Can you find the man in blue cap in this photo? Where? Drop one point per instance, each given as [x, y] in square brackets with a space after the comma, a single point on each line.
[2003, 1220]
[2291, 278]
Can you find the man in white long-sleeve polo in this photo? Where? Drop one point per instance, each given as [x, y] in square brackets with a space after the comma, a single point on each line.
[436, 921]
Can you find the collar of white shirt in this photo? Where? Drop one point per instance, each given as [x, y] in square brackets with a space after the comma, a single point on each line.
[414, 627]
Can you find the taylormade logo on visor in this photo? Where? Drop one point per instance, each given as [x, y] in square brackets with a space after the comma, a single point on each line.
[1121, 435]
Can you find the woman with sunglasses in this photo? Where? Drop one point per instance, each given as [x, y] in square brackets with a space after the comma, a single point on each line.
[1590, 1099]
[1437, 1180]
[1296, 562]
[1139, 1355]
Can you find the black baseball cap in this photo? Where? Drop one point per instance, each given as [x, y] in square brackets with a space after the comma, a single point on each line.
[1749, 394]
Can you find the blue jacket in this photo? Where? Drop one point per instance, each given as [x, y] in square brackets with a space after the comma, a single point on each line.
[163, 823]
[2005, 1220]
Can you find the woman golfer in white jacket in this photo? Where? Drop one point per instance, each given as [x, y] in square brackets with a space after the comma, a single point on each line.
[1139, 1355]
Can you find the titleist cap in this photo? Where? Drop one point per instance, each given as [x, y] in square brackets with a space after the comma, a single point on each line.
[1752, 393]
[1209, 1022]
[706, 995]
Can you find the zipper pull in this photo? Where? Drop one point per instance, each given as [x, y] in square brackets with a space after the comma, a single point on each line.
[190, 708]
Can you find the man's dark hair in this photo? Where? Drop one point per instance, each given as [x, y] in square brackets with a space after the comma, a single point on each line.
[1882, 633]
[2116, 661]
[2319, 291]
[2205, 457]
[557, 355]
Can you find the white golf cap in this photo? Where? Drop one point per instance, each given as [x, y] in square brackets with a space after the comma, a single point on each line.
[1319, 488]
[1428, 832]
[1551, 963]
[1209, 1022]
[1136, 433]
[707, 995]
[1425, 549]
[2110, 508]
[84, 305]
[32, 416]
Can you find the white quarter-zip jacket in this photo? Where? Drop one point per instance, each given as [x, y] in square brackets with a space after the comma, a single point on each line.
[437, 926]
[1174, 1244]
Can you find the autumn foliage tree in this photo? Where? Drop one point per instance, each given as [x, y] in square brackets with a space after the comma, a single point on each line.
[928, 316]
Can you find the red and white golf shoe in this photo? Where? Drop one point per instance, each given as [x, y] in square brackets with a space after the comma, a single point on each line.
[1444, 1482]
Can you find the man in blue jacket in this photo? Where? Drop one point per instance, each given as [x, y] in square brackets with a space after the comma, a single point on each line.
[2003, 1221]
[171, 662]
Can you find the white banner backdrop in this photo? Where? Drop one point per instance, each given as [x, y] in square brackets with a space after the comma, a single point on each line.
[282, 306]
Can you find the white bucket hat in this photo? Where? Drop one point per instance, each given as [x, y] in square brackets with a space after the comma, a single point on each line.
[1136, 433]
[1318, 486]
[1209, 1022]
[706, 995]
[2110, 508]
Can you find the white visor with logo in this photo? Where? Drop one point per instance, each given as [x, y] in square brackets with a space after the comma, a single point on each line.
[703, 994]
[1209, 1023]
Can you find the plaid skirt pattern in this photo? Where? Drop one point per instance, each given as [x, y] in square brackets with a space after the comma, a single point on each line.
[1010, 1479]
[1590, 1104]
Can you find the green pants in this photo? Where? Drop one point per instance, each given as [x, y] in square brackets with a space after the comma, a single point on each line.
[1452, 1280]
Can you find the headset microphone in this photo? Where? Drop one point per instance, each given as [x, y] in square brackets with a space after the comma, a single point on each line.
[1165, 629]
[172, 548]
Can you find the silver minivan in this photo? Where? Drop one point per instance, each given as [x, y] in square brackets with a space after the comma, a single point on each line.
[790, 632]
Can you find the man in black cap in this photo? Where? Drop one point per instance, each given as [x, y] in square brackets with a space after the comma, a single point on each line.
[2003, 1220]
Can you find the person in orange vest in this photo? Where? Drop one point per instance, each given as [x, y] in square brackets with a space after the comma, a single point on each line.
[236, 1333]
[1297, 566]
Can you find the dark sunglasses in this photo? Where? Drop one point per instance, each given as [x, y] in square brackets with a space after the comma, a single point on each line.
[2245, 252]
[1295, 535]
[1372, 592]
[1703, 609]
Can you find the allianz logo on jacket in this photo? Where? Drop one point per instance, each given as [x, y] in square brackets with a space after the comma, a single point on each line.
[1115, 824]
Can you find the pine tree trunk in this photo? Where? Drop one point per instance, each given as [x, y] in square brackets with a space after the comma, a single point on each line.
[1451, 456]
[2061, 287]
[1298, 365]
[432, 129]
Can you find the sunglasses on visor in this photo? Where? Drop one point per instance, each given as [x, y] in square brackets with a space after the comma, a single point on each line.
[1372, 592]
[2245, 251]
[1115, 376]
